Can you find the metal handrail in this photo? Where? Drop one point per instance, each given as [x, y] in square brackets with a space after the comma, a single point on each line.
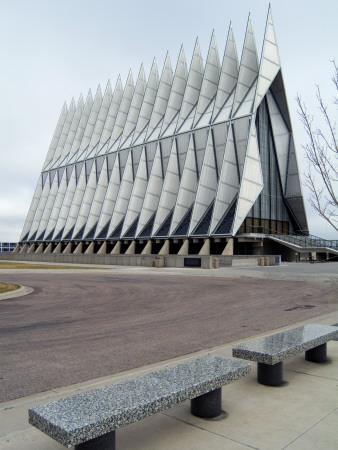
[307, 241]
[302, 240]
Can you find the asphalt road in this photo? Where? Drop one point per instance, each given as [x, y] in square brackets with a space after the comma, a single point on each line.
[79, 326]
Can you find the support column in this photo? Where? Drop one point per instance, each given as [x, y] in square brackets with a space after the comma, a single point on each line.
[105, 442]
[207, 405]
[31, 249]
[68, 248]
[317, 354]
[102, 249]
[184, 250]
[270, 375]
[17, 249]
[90, 249]
[58, 248]
[205, 250]
[39, 249]
[147, 248]
[229, 248]
[165, 248]
[78, 249]
[24, 249]
[131, 249]
[117, 248]
[48, 249]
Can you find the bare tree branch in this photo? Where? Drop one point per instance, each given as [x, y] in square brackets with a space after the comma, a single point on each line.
[321, 152]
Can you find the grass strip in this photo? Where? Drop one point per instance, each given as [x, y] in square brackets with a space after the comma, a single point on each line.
[15, 265]
[8, 287]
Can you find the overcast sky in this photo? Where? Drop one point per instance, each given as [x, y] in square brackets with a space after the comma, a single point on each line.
[52, 51]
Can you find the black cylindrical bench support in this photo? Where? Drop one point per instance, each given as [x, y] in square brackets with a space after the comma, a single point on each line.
[270, 375]
[316, 354]
[207, 405]
[105, 442]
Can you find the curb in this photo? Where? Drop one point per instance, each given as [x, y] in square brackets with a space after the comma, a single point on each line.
[23, 290]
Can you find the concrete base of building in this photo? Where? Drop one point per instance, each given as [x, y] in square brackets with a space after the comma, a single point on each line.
[206, 261]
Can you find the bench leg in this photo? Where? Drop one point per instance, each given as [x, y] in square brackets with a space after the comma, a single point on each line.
[207, 405]
[270, 375]
[105, 442]
[316, 354]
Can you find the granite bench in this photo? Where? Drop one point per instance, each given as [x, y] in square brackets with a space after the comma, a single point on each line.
[269, 352]
[89, 420]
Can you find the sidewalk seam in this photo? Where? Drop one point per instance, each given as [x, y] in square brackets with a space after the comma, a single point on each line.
[209, 431]
[310, 428]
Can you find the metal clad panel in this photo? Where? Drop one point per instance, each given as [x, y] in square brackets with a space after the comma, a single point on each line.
[281, 137]
[123, 196]
[86, 202]
[137, 195]
[110, 197]
[228, 185]
[148, 102]
[39, 210]
[85, 143]
[56, 136]
[72, 131]
[123, 110]
[76, 203]
[63, 136]
[100, 121]
[153, 192]
[207, 185]
[57, 204]
[162, 97]
[241, 133]
[229, 75]
[111, 115]
[220, 133]
[246, 106]
[97, 203]
[270, 64]
[248, 70]
[210, 80]
[48, 207]
[193, 86]
[188, 187]
[252, 180]
[177, 91]
[81, 128]
[66, 203]
[293, 188]
[200, 140]
[135, 106]
[32, 209]
[170, 189]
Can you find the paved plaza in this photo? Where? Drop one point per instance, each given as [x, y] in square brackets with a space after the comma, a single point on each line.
[80, 329]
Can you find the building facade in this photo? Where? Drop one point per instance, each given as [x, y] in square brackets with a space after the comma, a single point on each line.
[7, 247]
[194, 160]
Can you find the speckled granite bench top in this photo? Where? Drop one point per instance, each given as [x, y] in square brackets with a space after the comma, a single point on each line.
[280, 346]
[82, 417]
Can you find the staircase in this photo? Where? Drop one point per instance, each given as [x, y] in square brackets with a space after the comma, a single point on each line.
[306, 243]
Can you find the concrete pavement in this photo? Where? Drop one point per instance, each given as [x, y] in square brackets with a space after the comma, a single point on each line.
[301, 414]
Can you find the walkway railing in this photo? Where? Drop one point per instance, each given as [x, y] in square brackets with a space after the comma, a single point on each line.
[307, 241]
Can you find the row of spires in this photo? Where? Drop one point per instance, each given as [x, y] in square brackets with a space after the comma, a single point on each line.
[92, 127]
[160, 107]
